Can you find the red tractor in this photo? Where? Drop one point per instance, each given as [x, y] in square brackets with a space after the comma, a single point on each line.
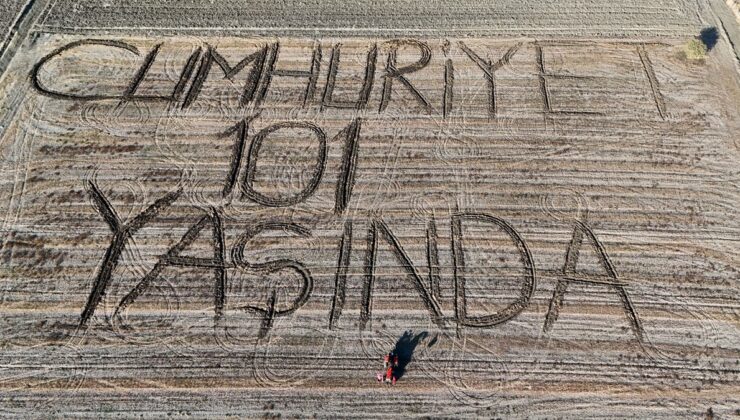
[390, 363]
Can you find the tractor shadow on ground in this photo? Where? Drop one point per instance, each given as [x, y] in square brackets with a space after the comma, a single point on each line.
[405, 347]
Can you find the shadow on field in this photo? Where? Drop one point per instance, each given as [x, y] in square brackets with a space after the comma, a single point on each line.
[709, 37]
[405, 347]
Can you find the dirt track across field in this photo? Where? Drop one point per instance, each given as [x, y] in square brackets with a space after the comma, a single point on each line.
[212, 212]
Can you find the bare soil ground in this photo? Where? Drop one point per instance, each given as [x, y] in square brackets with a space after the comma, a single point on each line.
[10, 11]
[214, 211]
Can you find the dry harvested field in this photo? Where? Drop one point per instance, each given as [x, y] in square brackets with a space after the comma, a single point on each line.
[213, 211]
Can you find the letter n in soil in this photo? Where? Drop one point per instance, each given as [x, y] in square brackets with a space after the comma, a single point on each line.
[378, 227]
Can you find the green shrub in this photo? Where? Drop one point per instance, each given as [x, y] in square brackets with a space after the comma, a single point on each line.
[695, 50]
